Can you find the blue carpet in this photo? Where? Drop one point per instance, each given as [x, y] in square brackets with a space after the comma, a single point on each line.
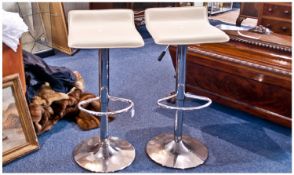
[237, 141]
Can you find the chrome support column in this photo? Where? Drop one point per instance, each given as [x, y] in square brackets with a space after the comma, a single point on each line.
[104, 90]
[180, 97]
[177, 150]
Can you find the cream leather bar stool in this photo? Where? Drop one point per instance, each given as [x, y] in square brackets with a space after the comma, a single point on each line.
[180, 26]
[104, 29]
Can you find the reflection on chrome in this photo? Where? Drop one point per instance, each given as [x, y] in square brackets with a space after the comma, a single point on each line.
[195, 97]
[111, 98]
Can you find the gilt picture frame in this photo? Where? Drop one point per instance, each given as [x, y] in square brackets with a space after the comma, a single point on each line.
[18, 133]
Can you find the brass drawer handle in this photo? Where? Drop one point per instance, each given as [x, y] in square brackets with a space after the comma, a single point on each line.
[286, 11]
[284, 28]
[270, 9]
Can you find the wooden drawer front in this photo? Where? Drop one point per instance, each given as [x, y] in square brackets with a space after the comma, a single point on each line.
[278, 26]
[277, 11]
[245, 91]
[234, 85]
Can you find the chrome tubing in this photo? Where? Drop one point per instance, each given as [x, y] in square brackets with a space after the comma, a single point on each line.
[104, 153]
[177, 150]
[130, 106]
[159, 102]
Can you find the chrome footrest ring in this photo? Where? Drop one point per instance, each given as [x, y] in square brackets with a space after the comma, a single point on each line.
[159, 102]
[111, 98]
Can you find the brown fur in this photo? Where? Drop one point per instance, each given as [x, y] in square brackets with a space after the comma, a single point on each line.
[80, 81]
[50, 95]
[85, 120]
[50, 106]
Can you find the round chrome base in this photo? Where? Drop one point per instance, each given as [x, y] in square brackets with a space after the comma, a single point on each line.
[187, 153]
[112, 155]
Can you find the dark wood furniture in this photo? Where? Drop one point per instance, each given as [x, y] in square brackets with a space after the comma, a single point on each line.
[277, 17]
[248, 10]
[253, 75]
[138, 7]
[12, 62]
[273, 15]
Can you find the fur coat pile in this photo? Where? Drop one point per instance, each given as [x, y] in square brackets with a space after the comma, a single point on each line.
[49, 106]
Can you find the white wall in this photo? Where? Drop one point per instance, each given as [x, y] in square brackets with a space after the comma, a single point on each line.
[197, 3]
[10, 6]
[67, 6]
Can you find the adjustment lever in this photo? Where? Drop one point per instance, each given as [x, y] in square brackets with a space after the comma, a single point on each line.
[162, 54]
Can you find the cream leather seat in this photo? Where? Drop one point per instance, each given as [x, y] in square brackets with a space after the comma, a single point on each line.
[104, 29]
[93, 29]
[182, 26]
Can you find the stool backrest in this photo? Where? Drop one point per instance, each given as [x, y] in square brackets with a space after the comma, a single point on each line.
[176, 13]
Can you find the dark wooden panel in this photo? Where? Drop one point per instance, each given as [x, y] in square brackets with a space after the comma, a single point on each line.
[278, 26]
[249, 9]
[137, 7]
[281, 11]
[275, 15]
[12, 62]
[247, 76]
[233, 86]
[107, 5]
[259, 112]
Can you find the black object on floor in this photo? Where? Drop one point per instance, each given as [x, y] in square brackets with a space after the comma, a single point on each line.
[217, 22]
[37, 72]
[47, 53]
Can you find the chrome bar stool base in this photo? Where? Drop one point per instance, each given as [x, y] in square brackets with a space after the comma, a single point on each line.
[177, 150]
[104, 153]
[111, 155]
[187, 153]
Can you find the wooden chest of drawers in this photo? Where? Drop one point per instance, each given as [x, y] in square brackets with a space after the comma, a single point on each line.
[277, 17]
[251, 72]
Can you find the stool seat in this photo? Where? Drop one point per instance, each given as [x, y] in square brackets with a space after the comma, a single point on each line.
[182, 26]
[91, 29]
